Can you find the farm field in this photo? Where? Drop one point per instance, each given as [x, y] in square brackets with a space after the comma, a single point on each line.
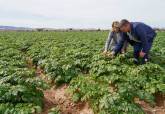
[65, 73]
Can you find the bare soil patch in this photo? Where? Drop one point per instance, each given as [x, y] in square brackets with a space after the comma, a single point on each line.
[158, 109]
[60, 98]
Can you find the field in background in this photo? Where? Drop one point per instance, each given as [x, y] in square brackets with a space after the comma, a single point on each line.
[61, 72]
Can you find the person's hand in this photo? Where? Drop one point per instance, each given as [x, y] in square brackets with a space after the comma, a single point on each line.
[142, 54]
[105, 52]
[111, 54]
[123, 51]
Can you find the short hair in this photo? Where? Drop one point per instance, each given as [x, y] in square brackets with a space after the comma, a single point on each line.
[123, 22]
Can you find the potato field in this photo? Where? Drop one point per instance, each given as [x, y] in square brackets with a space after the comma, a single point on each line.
[36, 66]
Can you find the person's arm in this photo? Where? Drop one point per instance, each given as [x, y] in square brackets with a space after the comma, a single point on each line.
[119, 46]
[112, 43]
[143, 38]
[109, 39]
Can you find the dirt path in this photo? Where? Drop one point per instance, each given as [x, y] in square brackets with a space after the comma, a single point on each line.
[158, 109]
[59, 97]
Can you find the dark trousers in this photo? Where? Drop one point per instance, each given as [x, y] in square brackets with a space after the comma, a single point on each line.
[138, 48]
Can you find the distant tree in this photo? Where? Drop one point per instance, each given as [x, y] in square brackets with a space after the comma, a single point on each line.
[98, 29]
[70, 29]
[40, 29]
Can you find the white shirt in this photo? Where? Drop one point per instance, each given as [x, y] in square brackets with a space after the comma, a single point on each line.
[131, 37]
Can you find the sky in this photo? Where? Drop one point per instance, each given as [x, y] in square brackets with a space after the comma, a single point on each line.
[80, 13]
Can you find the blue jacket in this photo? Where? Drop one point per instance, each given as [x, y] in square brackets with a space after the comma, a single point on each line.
[142, 32]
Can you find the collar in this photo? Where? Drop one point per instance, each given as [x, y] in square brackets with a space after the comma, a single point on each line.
[131, 27]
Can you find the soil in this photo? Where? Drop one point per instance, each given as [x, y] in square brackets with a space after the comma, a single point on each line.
[158, 109]
[58, 97]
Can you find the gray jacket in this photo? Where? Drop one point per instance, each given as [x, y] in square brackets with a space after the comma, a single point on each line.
[112, 40]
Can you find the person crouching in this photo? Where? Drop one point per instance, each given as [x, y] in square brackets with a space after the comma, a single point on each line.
[113, 39]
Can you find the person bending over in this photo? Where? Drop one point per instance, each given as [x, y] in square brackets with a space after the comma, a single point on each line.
[113, 39]
[140, 36]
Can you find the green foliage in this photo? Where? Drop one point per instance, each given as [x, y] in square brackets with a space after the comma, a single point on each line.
[20, 90]
[109, 85]
[19, 108]
[54, 110]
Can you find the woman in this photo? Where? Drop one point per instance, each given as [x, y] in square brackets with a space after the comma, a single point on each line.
[114, 38]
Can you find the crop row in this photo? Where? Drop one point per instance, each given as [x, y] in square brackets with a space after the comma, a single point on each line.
[109, 85]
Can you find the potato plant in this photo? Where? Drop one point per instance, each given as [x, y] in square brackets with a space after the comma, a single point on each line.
[108, 85]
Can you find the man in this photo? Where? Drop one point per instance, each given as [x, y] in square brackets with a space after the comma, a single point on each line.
[140, 36]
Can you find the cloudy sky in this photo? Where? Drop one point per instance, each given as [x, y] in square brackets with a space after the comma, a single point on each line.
[80, 13]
